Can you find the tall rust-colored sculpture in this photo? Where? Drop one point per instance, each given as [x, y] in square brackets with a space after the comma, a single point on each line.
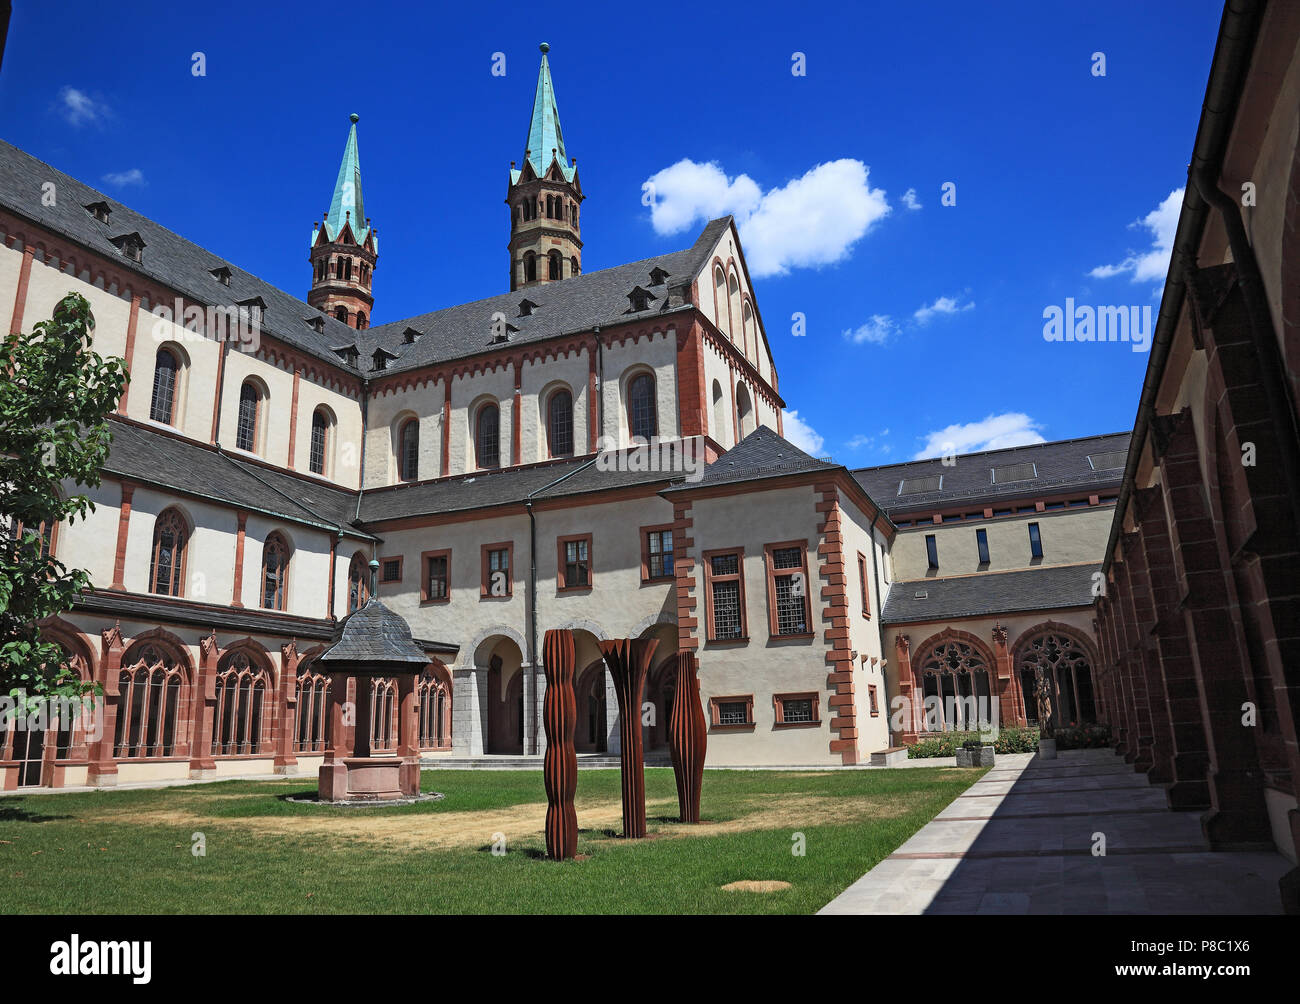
[628, 660]
[687, 737]
[560, 764]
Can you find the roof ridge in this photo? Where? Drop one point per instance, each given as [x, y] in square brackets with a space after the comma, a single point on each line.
[1000, 449]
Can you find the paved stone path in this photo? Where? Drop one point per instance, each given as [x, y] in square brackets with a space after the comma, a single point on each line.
[1020, 840]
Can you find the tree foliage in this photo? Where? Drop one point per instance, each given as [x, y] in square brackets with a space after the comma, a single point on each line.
[55, 397]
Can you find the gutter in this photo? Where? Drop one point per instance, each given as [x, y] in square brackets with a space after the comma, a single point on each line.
[1237, 33]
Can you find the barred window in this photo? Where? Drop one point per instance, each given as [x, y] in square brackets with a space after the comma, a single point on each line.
[726, 594]
[733, 713]
[797, 711]
[659, 554]
[789, 590]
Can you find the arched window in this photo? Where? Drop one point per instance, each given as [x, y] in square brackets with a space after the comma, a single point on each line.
[1065, 664]
[275, 572]
[720, 429]
[954, 687]
[311, 730]
[163, 406]
[433, 711]
[747, 327]
[733, 305]
[358, 582]
[150, 705]
[320, 430]
[239, 720]
[553, 268]
[408, 450]
[487, 437]
[574, 269]
[559, 424]
[167, 560]
[530, 267]
[720, 298]
[383, 718]
[744, 410]
[43, 532]
[250, 410]
[550, 207]
[341, 312]
[362, 323]
[642, 419]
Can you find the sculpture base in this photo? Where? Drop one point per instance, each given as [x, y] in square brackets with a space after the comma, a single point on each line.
[361, 779]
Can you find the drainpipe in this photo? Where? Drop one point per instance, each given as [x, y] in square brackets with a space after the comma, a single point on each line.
[1277, 393]
[880, 624]
[532, 615]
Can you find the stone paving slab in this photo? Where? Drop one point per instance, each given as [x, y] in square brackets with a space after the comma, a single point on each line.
[1021, 841]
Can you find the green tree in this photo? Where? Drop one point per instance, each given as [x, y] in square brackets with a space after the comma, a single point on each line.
[55, 396]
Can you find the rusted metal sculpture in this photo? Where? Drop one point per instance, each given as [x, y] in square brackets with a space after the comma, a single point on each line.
[628, 660]
[687, 736]
[560, 764]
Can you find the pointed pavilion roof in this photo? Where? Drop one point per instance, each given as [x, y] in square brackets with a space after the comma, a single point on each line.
[544, 132]
[347, 206]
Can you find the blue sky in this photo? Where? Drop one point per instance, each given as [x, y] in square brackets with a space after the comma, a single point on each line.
[924, 326]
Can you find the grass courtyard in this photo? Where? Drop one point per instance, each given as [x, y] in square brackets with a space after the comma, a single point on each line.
[131, 851]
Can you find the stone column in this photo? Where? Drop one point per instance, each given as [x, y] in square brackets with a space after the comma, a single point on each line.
[102, 768]
[332, 782]
[204, 696]
[408, 735]
[1147, 661]
[286, 710]
[1006, 696]
[468, 710]
[1238, 817]
[908, 724]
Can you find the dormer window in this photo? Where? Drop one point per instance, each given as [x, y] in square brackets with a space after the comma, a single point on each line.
[502, 332]
[410, 335]
[526, 307]
[99, 210]
[657, 276]
[221, 274]
[130, 245]
[640, 299]
[348, 353]
[252, 301]
[318, 323]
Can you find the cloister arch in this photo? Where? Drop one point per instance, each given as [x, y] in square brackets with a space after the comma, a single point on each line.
[1067, 655]
[954, 677]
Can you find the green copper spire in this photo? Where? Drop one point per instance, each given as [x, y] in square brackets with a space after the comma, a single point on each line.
[544, 133]
[347, 193]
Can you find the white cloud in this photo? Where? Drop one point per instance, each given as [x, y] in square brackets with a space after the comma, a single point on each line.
[943, 305]
[909, 199]
[875, 332]
[79, 108]
[859, 441]
[800, 433]
[813, 220]
[1151, 265]
[995, 432]
[121, 179]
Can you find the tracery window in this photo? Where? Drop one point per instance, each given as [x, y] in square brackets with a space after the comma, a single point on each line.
[311, 730]
[238, 723]
[955, 687]
[1063, 661]
[275, 572]
[167, 559]
[150, 705]
[383, 713]
[434, 712]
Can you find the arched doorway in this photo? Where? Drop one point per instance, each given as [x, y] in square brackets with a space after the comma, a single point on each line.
[659, 684]
[591, 733]
[505, 733]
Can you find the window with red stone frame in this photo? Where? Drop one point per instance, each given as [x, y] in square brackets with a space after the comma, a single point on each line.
[573, 555]
[788, 613]
[497, 578]
[736, 712]
[724, 595]
[797, 710]
[657, 553]
[435, 576]
[862, 581]
[874, 703]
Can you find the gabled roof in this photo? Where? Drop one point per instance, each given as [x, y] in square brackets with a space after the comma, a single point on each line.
[762, 454]
[142, 454]
[545, 142]
[1044, 588]
[171, 260]
[562, 308]
[1039, 468]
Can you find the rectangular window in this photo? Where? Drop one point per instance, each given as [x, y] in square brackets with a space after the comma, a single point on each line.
[497, 579]
[732, 712]
[932, 550]
[390, 570]
[796, 709]
[787, 589]
[656, 553]
[982, 544]
[436, 584]
[725, 595]
[871, 697]
[574, 562]
[862, 582]
[1035, 541]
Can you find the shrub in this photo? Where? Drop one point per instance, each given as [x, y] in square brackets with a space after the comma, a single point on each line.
[947, 743]
[1083, 737]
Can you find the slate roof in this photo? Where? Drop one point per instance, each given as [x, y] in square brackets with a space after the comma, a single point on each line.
[1045, 588]
[761, 454]
[168, 258]
[374, 637]
[1061, 465]
[193, 468]
[563, 308]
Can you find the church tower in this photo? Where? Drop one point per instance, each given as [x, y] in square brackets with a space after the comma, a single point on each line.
[344, 248]
[544, 196]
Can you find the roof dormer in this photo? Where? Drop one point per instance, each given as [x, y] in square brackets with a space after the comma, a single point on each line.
[640, 299]
[129, 245]
[526, 307]
[348, 353]
[379, 359]
[411, 335]
[317, 323]
[221, 274]
[99, 210]
[658, 276]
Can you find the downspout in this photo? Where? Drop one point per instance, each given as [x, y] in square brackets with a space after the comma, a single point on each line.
[880, 624]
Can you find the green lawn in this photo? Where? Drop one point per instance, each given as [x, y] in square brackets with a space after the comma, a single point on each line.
[131, 851]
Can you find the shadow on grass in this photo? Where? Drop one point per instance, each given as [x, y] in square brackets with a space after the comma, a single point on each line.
[17, 814]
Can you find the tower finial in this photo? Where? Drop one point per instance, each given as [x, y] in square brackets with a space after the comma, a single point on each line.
[545, 47]
[354, 118]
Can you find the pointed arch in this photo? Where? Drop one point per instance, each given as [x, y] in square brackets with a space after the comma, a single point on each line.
[358, 582]
[167, 556]
[276, 554]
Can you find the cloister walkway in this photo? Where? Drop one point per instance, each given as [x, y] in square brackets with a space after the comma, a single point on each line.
[1021, 841]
